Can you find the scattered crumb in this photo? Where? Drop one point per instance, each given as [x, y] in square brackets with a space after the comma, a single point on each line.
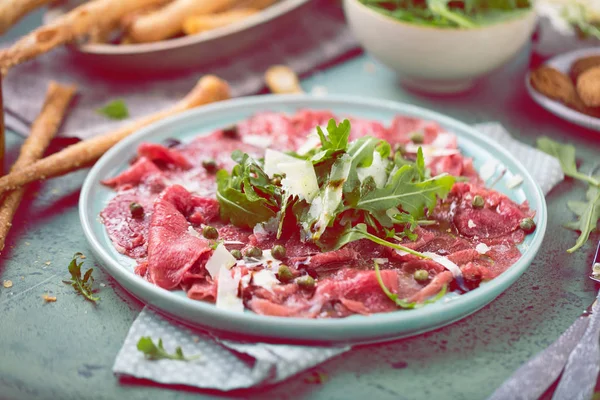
[47, 263]
[22, 278]
[82, 257]
[49, 299]
[471, 224]
[54, 191]
[448, 230]
[196, 339]
[318, 91]
[7, 284]
[27, 243]
[370, 67]
[103, 284]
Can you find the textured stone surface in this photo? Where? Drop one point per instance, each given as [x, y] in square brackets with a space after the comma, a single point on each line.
[65, 350]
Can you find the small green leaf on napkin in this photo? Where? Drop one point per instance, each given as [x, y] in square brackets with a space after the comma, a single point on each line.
[116, 109]
[153, 352]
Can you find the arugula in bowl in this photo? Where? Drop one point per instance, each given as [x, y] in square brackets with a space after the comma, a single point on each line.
[466, 14]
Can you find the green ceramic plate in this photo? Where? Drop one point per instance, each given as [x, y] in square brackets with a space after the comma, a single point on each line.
[378, 327]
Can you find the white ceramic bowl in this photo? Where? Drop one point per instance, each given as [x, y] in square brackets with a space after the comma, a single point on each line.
[438, 60]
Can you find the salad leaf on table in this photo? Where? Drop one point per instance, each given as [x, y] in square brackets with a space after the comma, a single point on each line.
[82, 285]
[116, 109]
[588, 212]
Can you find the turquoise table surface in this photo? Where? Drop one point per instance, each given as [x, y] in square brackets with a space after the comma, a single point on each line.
[65, 350]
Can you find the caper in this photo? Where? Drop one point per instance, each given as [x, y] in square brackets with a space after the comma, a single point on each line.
[210, 165]
[210, 232]
[137, 211]
[417, 137]
[478, 202]
[284, 274]
[421, 275]
[231, 132]
[254, 252]
[276, 180]
[278, 252]
[306, 282]
[527, 225]
[236, 254]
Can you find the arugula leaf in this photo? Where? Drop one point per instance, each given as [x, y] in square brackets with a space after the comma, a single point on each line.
[337, 138]
[565, 153]
[246, 196]
[402, 303]
[360, 232]
[116, 109]
[404, 192]
[83, 286]
[154, 352]
[589, 215]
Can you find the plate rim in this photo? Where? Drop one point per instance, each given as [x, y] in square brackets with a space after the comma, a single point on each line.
[328, 330]
[557, 108]
[276, 10]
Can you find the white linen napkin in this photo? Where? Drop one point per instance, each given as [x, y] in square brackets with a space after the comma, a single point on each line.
[226, 364]
[324, 39]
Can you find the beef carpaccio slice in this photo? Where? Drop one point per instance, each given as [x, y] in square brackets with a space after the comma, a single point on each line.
[177, 194]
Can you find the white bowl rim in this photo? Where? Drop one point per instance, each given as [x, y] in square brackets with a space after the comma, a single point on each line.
[478, 28]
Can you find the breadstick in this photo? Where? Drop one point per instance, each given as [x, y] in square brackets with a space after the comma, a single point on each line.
[259, 4]
[42, 131]
[11, 11]
[209, 89]
[168, 21]
[200, 23]
[281, 79]
[78, 23]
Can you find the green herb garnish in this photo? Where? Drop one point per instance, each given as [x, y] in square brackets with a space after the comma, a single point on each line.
[116, 109]
[346, 207]
[588, 212]
[154, 352]
[403, 303]
[82, 285]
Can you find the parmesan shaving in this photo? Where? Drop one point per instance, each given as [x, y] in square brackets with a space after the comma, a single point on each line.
[273, 159]
[227, 290]
[514, 181]
[258, 140]
[482, 248]
[220, 259]
[471, 224]
[265, 278]
[377, 169]
[488, 169]
[300, 179]
[446, 263]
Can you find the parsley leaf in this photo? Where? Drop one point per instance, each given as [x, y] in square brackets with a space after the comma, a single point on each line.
[565, 153]
[589, 215]
[154, 352]
[116, 109]
[83, 286]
